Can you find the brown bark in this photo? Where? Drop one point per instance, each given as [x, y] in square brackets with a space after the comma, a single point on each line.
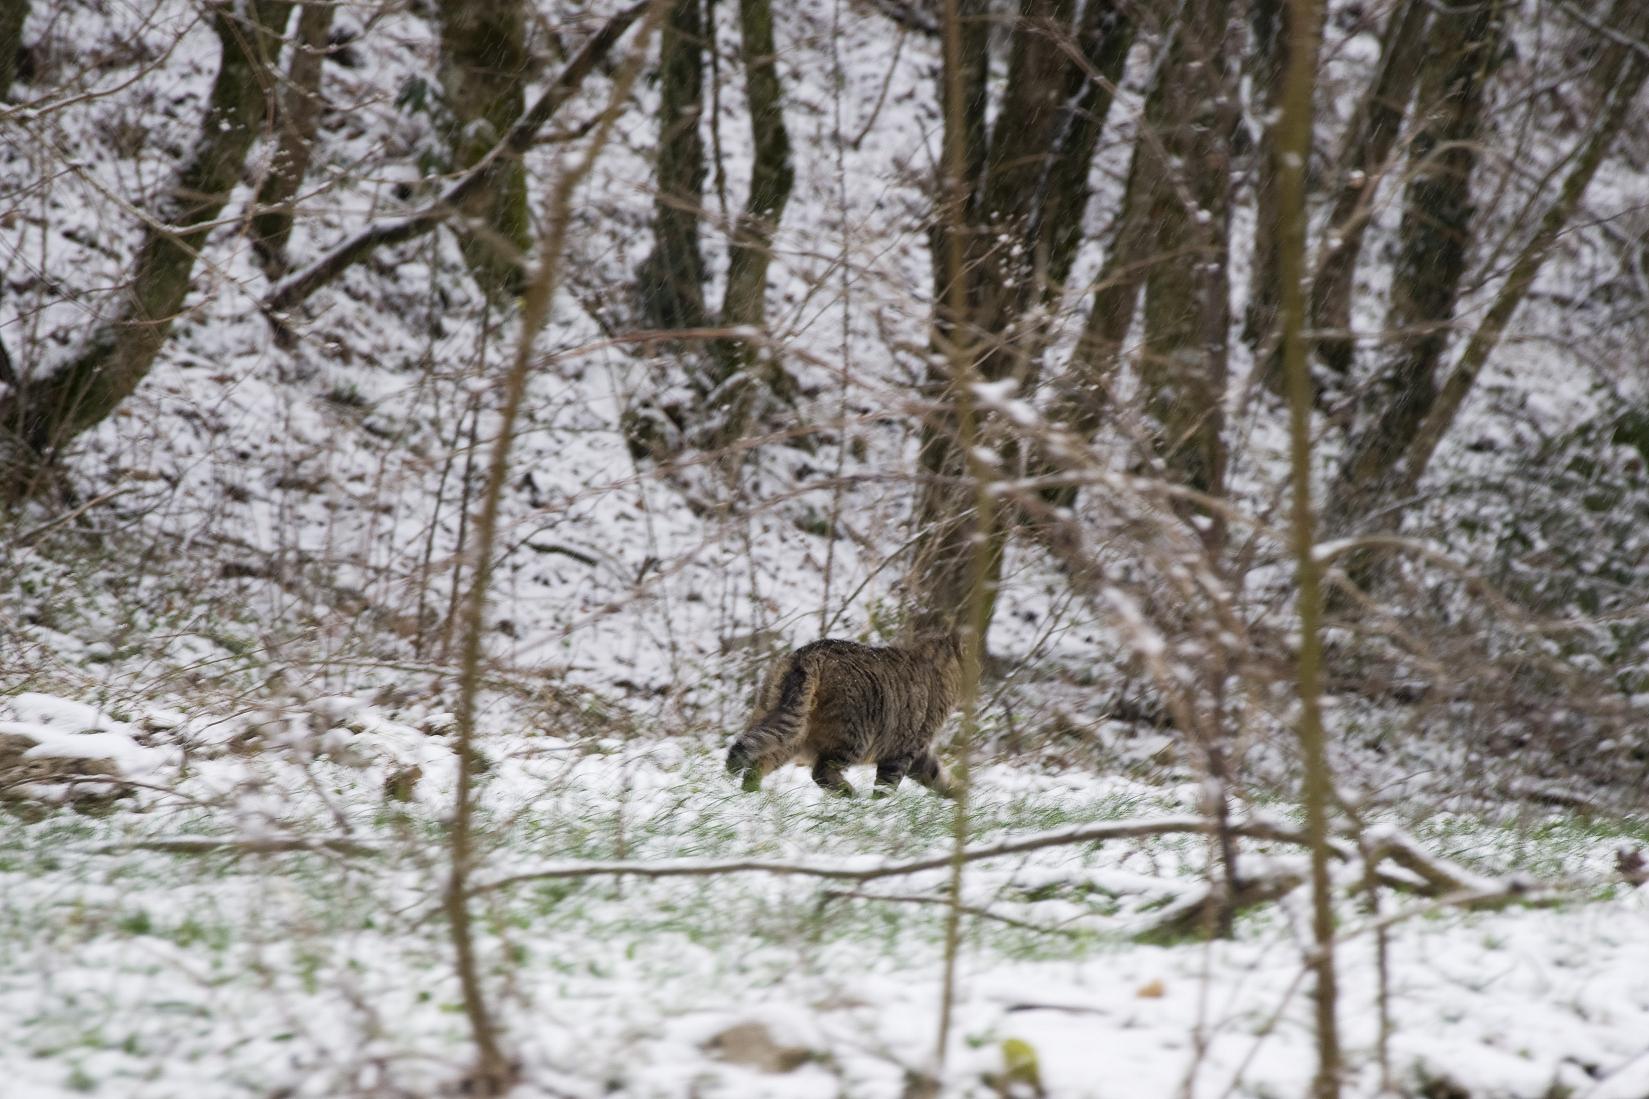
[1187, 307]
[1268, 54]
[671, 280]
[297, 287]
[483, 70]
[1363, 161]
[43, 414]
[13, 14]
[299, 114]
[771, 175]
[1011, 217]
[744, 304]
[495, 1073]
[1434, 238]
[1154, 191]
[1293, 146]
[1085, 390]
[1621, 73]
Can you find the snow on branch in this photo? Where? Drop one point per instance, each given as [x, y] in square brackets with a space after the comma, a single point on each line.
[1441, 876]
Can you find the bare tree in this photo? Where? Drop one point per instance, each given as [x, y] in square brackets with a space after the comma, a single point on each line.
[1172, 244]
[1024, 190]
[13, 15]
[744, 304]
[51, 406]
[1187, 296]
[495, 1073]
[672, 277]
[484, 69]
[1361, 164]
[1622, 68]
[300, 110]
[1293, 149]
[735, 371]
[1434, 238]
[1266, 61]
[298, 286]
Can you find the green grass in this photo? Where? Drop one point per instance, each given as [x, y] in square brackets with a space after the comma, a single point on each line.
[1554, 848]
[309, 924]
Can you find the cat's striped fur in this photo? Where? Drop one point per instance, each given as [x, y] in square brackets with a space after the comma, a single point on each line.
[837, 703]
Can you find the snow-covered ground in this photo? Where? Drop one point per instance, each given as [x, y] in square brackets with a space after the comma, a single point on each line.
[246, 623]
[128, 969]
[298, 512]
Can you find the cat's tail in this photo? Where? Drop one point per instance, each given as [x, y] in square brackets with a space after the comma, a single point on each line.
[775, 737]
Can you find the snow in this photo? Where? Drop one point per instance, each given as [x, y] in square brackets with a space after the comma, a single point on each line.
[215, 975]
[52, 743]
[250, 627]
[1625, 1082]
[63, 729]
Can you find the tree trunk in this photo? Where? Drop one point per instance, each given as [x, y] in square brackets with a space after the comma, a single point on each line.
[483, 73]
[672, 277]
[1002, 243]
[296, 288]
[771, 177]
[13, 14]
[1105, 38]
[300, 111]
[1621, 74]
[47, 412]
[1187, 300]
[947, 522]
[1362, 163]
[1154, 190]
[1085, 390]
[1268, 54]
[1182, 366]
[1433, 242]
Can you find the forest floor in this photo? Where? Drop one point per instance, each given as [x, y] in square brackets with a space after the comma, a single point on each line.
[270, 535]
[132, 970]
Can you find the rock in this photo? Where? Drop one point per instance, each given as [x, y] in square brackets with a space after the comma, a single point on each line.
[20, 770]
[400, 784]
[752, 1045]
[1631, 864]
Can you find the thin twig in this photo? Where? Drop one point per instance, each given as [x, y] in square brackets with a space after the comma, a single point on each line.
[1131, 828]
[68, 516]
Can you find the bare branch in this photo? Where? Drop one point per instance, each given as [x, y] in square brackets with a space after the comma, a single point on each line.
[243, 845]
[1130, 828]
[296, 287]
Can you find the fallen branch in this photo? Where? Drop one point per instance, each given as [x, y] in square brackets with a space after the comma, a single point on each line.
[296, 287]
[1134, 828]
[68, 516]
[1426, 874]
[79, 779]
[243, 845]
[1192, 915]
[1441, 876]
[1495, 895]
